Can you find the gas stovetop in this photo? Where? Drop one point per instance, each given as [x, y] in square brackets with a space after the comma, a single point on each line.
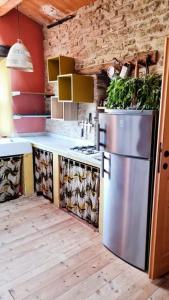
[88, 150]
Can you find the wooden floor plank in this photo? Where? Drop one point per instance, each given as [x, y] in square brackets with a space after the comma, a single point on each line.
[28, 227]
[33, 233]
[59, 270]
[94, 282]
[53, 247]
[74, 276]
[118, 286]
[47, 254]
[45, 268]
[143, 288]
[162, 293]
[20, 204]
[17, 219]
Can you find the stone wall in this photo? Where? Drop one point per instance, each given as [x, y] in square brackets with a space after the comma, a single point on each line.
[108, 29]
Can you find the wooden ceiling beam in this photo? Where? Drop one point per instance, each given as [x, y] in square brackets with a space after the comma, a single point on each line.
[6, 6]
[43, 11]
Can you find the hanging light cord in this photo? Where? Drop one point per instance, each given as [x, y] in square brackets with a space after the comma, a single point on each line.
[19, 33]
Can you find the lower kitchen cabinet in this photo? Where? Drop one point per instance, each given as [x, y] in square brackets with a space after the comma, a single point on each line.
[43, 173]
[10, 177]
[79, 189]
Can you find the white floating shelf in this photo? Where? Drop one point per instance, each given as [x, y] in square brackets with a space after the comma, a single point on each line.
[19, 93]
[15, 117]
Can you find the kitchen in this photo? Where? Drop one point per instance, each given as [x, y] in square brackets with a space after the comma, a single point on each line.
[48, 137]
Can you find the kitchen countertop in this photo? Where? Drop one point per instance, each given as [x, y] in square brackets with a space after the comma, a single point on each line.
[10, 146]
[61, 145]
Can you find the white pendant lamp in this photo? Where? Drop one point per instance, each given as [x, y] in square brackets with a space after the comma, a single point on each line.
[19, 57]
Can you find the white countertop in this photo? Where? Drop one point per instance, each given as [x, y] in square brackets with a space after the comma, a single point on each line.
[14, 146]
[61, 145]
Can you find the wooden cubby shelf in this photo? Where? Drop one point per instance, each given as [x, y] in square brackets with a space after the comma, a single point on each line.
[75, 88]
[63, 110]
[59, 65]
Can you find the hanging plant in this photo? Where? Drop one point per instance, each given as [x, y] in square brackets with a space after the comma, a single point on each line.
[134, 93]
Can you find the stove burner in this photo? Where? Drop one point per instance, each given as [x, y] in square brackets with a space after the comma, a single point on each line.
[85, 149]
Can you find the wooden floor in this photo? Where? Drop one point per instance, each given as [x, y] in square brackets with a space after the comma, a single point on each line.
[45, 253]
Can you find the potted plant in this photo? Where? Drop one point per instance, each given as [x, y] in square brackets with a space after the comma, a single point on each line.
[135, 93]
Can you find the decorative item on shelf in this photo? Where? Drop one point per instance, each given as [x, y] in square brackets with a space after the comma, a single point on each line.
[126, 70]
[111, 72]
[19, 57]
[102, 82]
[114, 70]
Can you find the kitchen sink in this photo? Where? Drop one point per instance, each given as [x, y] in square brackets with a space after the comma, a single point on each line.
[14, 146]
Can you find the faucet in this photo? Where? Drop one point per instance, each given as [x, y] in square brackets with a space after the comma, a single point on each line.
[86, 126]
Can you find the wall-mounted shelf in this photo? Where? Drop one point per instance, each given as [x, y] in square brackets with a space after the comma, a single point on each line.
[58, 66]
[18, 116]
[63, 110]
[75, 88]
[19, 93]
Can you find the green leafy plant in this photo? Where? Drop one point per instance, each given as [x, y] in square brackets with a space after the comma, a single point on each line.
[134, 93]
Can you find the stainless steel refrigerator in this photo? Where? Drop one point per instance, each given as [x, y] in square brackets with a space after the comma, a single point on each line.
[128, 139]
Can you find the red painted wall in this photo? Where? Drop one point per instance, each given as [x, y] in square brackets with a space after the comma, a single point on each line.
[32, 37]
[29, 125]
[28, 104]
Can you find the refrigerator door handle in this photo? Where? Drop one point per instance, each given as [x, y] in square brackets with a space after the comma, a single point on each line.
[109, 166]
[102, 165]
[98, 137]
[104, 141]
[103, 169]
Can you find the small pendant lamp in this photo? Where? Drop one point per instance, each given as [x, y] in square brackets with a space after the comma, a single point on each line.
[19, 57]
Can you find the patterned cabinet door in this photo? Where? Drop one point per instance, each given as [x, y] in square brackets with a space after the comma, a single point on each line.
[10, 177]
[43, 173]
[79, 189]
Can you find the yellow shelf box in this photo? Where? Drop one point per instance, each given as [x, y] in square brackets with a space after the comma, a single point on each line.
[75, 88]
[58, 66]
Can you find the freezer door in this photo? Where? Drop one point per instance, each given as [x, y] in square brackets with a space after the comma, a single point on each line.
[126, 207]
[126, 134]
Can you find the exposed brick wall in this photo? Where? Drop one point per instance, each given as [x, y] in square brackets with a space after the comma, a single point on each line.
[111, 28]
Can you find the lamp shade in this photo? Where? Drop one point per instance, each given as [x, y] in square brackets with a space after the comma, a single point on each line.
[19, 58]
